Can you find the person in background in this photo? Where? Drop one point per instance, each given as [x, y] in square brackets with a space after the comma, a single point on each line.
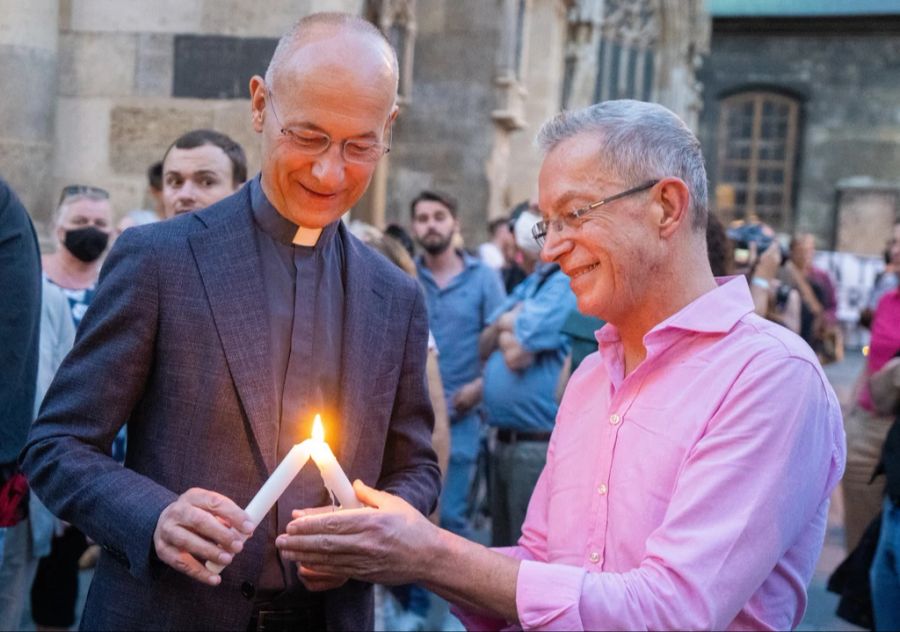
[512, 272]
[83, 225]
[866, 427]
[83, 228]
[818, 309]
[135, 217]
[155, 188]
[401, 236]
[461, 292]
[525, 353]
[756, 253]
[30, 540]
[885, 281]
[200, 168]
[492, 251]
[20, 283]
[884, 573]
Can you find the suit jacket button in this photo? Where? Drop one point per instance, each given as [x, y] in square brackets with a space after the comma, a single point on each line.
[248, 590]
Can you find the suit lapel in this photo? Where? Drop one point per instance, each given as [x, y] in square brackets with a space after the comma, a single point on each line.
[365, 324]
[227, 257]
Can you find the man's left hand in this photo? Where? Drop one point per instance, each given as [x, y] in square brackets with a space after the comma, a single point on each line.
[384, 542]
[314, 581]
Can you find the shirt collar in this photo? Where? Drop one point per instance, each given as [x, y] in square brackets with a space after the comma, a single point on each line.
[717, 311]
[468, 260]
[274, 224]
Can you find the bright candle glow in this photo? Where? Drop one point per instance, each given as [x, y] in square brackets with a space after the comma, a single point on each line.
[318, 431]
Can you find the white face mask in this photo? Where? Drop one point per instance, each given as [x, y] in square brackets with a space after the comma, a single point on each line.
[522, 233]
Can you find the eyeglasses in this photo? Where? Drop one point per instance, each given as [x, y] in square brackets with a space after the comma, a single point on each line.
[313, 143]
[572, 219]
[75, 190]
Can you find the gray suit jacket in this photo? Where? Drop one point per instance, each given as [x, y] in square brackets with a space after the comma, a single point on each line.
[176, 343]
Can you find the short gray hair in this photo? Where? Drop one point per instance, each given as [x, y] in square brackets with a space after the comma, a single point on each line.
[333, 21]
[637, 141]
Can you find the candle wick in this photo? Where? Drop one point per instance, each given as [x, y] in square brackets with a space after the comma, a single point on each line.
[333, 501]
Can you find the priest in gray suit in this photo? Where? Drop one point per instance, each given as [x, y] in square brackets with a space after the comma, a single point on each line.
[217, 336]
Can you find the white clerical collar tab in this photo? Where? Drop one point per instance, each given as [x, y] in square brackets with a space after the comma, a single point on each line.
[306, 236]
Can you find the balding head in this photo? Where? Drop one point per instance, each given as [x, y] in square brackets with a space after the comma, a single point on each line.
[324, 115]
[364, 37]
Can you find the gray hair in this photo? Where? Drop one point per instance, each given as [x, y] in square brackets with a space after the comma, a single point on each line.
[637, 141]
[332, 21]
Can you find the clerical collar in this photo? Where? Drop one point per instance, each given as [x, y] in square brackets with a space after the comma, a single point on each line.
[281, 229]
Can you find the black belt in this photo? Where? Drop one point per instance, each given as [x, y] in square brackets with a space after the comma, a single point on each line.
[288, 613]
[505, 435]
[308, 618]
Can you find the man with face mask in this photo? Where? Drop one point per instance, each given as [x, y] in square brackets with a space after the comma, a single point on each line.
[83, 225]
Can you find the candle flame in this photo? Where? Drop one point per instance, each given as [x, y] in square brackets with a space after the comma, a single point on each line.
[318, 431]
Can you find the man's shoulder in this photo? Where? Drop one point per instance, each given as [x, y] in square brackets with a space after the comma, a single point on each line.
[227, 216]
[768, 346]
[383, 270]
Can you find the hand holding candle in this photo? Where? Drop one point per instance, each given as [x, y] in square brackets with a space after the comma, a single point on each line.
[333, 476]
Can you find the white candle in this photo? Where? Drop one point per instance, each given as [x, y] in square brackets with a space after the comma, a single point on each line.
[269, 493]
[332, 475]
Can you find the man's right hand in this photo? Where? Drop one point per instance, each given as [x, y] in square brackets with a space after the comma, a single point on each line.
[201, 525]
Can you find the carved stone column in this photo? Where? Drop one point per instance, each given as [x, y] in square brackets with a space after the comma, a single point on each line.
[397, 20]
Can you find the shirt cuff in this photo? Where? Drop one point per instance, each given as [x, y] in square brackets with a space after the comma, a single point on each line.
[548, 596]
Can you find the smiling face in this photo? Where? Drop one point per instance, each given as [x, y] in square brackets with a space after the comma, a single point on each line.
[341, 84]
[611, 256]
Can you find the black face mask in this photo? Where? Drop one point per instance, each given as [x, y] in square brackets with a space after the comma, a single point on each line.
[86, 244]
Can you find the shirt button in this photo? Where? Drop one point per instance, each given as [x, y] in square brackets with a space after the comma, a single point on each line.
[614, 419]
[602, 489]
[595, 557]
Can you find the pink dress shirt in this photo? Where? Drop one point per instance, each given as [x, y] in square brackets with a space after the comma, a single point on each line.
[692, 494]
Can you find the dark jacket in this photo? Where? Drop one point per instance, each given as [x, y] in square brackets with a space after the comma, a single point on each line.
[20, 319]
[176, 342]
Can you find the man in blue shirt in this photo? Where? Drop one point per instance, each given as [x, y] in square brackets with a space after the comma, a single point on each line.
[461, 292]
[525, 351]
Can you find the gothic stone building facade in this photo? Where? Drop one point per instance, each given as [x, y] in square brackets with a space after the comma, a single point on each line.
[96, 90]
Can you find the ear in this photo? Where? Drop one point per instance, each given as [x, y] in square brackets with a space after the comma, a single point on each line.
[674, 199]
[258, 96]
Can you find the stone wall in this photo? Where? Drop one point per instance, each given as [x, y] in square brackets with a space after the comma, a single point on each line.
[104, 86]
[106, 94]
[847, 74]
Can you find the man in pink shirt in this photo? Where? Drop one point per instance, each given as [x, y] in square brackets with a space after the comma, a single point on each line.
[689, 474]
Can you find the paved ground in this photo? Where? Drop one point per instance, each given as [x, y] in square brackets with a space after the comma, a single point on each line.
[822, 604]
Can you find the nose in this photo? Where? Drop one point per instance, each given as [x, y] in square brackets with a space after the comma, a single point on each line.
[187, 192]
[555, 245]
[328, 168]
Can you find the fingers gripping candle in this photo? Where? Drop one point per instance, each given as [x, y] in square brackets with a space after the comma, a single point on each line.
[269, 493]
[333, 476]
